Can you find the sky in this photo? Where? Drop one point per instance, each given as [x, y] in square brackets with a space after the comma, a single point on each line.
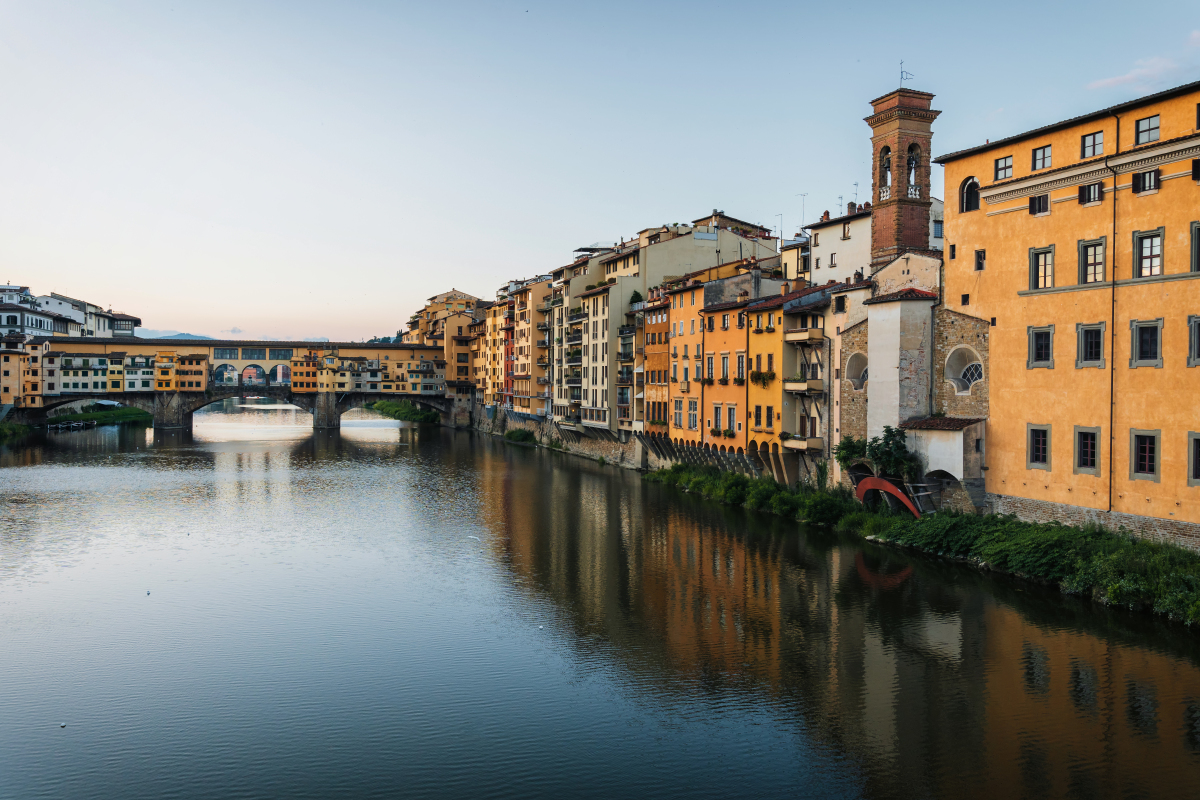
[301, 169]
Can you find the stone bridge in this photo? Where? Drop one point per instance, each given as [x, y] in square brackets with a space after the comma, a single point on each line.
[174, 409]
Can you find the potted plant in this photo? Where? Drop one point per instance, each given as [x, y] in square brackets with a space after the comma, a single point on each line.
[723, 381]
[784, 436]
[729, 434]
[739, 381]
[716, 432]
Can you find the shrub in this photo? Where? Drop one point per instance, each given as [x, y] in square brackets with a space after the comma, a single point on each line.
[521, 436]
[406, 412]
[635, 297]
[848, 450]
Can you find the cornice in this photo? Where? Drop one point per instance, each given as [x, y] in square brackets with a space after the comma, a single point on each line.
[923, 115]
[1091, 173]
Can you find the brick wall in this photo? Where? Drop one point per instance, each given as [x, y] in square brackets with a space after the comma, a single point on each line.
[1184, 534]
[950, 330]
[854, 401]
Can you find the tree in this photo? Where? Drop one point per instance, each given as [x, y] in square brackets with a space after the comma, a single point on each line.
[636, 297]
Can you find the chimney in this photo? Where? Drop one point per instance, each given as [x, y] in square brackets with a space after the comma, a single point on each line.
[800, 284]
[825, 216]
[851, 208]
[785, 288]
[866, 206]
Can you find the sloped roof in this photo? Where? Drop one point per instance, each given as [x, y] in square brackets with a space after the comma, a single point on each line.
[904, 294]
[941, 423]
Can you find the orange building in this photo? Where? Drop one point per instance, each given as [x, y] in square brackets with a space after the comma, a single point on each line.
[1077, 243]
[686, 336]
[726, 345]
[656, 361]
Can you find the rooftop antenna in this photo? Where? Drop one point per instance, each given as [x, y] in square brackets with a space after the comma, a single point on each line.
[802, 195]
[904, 76]
[856, 193]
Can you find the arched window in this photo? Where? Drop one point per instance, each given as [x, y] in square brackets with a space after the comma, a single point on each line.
[856, 370]
[969, 195]
[914, 163]
[885, 167]
[964, 367]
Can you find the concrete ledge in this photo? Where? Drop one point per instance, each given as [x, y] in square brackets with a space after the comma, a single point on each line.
[1170, 531]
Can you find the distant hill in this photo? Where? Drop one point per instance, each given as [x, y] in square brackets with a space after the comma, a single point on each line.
[145, 333]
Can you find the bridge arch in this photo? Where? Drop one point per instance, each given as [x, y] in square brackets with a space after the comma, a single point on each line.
[225, 375]
[254, 375]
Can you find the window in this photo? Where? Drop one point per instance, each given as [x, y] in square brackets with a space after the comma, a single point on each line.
[937, 229]
[1038, 438]
[980, 260]
[770, 417]
[741, 366]
[1089, 345]
[966, 300]
[678, 413]
[1147, 130]
[1091, 260]
[230, 353]
[1195, 266]
[972, 373]
[1143, 452]
[1003, 168]
[731, 412]
[1039, 204]
[725, 367]
[953, 251]
[1041, 157]
[1146, 181]
[1041, 348]
[1092, 145]
[1193, 473]
[968, 195]
[845, 231]
[693, 406]
[839, 305]
[1091, 193]
[758, 416]
[1041, 267]
[1146, 343]
[1193, 341]
[1087, 451]
[832, 260]
[1147, 252]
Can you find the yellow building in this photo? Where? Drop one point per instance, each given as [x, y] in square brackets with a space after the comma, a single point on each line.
[1078, 244]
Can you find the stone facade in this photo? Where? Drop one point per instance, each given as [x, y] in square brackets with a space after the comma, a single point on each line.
[953, 330]
[854, 401]
[1178, 532]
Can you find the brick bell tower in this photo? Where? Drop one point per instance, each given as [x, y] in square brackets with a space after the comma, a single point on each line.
[900, 140]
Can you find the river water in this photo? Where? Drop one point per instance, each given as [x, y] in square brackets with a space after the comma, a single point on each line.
[258, 611]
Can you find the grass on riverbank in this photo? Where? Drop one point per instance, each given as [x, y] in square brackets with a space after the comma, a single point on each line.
[110, 416]
[760, 494]
[1114, 568]
[406, 412]
[11, 430]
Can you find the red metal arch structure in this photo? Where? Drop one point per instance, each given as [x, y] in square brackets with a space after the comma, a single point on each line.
[880, 484]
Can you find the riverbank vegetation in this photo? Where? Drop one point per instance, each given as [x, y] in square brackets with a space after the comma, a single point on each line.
[11, 430]
[104, 415]
[1114, 568]
[520, 436]
[406, 412]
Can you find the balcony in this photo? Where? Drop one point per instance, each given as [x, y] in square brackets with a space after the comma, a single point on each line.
[576, 338]
[542, 343]
[802, 443]
[543, 381]
[577, 316]
[556, 302]
[543, 361]
[625, 356]
[624, 379]
[804, 335]
[804, 385]
[626, 330]
[575, 381]
[543, 326]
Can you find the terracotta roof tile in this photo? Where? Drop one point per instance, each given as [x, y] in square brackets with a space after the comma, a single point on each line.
[941, 423]
[904, 294]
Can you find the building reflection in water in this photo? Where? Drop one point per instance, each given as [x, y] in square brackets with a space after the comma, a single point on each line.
[934, 680]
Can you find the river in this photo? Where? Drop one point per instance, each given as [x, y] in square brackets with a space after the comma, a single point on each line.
[256, 610]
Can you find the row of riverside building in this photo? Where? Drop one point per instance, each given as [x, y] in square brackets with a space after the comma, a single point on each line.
[1037, 337]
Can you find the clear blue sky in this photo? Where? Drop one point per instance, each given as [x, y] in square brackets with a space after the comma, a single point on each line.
[318, 169]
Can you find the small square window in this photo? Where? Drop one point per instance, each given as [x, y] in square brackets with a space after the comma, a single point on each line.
[1090, 345]
[980, 260]
[1146, 343]
[954, 251]
[1038, 444]
[1144, 455]
[1039, 204]
[1087, 451]
[1147, 130]
[1092, 145]
[1003, 168]
[1147, 181]
[1041, 157]
[1091, 193]
[1041, 348]
[937, 229]
[966, 299]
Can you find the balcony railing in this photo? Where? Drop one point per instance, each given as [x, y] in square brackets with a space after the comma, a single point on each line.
[542, 343]
[627, 330]
[574, 381]
[543, 326]
[543, 381]
[804, 385]
[624, 379]
[914, 191]
[804, 335]
[576, 339]
[885, 192]
[627, 355]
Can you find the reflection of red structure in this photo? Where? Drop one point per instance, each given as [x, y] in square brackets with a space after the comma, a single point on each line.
[877, 580]
[881, 485]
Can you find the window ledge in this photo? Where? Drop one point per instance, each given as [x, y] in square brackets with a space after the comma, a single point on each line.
[1043, 214]
[1092, 204]
[1145, 192]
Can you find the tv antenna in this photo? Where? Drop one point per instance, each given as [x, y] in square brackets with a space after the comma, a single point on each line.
[802, 195]
[856, 193]
[904, 76]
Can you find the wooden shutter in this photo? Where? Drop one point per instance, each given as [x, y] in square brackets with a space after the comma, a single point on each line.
[1083, 194]
[1157, 178]
[1137, 182]
[1196, 161]
[1033, 203]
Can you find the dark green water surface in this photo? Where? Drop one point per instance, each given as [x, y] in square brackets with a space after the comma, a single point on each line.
[254, 610]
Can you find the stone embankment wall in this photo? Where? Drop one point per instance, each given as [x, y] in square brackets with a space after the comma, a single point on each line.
[1169, 531]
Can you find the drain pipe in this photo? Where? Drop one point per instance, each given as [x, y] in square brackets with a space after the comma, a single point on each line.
[1112, 315]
